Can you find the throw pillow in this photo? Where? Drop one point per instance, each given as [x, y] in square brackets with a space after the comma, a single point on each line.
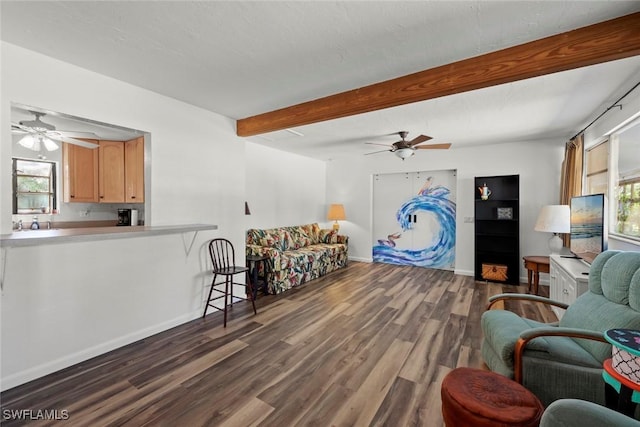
[328, 236]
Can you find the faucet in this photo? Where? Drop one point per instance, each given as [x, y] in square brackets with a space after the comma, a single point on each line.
[34, 224]
[20, 225]
[49, 225]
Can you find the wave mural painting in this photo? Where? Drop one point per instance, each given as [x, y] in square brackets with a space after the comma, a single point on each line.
[440, 253]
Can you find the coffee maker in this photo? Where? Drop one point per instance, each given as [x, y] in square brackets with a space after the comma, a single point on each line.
[127, 217]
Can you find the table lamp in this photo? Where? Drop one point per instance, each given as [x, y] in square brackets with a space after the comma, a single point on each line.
[554, 219]
[336, 212]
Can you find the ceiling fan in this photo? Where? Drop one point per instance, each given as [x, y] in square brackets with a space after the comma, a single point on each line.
[405, 149]
[38, 133]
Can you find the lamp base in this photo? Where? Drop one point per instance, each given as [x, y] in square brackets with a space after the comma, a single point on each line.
[555, 244]
[336, 226]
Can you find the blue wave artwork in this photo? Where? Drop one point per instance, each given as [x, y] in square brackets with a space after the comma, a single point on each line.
[441, 252]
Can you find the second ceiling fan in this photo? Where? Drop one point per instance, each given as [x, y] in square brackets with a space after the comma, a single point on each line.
[405, 149]
[38, 133]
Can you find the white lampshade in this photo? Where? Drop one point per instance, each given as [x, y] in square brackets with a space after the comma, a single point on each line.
[554, 219]
[405, 153]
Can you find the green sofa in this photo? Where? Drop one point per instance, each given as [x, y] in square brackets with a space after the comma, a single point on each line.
[297, 254]
[564, 360]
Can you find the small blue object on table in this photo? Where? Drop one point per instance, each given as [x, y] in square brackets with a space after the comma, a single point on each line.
[622, 371]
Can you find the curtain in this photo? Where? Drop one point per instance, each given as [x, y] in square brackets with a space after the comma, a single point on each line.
[571, 175]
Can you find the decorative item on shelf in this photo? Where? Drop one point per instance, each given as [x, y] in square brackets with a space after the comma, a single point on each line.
[505, 213]
[336, 213]
[495, 272]
[484, 192]
[554, 219]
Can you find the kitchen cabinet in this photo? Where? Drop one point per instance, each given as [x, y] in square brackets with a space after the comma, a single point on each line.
[80, 171]
[111, 171]
[567, 280]
[497, 229]
[134, 170]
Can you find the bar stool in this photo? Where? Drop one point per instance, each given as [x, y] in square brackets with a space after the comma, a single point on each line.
[224, 264]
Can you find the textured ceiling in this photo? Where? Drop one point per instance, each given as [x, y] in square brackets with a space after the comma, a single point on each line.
[244, 58]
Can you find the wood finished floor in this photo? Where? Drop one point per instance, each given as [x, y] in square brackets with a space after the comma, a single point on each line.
[367, 345]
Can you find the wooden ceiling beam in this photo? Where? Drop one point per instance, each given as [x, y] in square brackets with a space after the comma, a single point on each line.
[606, 41]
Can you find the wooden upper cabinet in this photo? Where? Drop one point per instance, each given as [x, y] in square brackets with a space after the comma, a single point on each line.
[111, 156]
[134, 170]
[80, 171]
[111, 173]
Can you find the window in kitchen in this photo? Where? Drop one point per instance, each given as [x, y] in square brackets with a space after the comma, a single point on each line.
[34, 186]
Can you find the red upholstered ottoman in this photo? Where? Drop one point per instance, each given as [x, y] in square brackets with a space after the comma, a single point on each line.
[473, 397]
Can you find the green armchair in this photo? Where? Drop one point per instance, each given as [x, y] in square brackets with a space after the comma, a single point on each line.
[564, 359]
[578, 413]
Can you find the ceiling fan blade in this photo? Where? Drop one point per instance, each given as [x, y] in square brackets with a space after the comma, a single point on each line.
[74, 134]
[376, 152]
[18, 128]
[375, 143]
[73, 141]
[443, 146]
[418, 139]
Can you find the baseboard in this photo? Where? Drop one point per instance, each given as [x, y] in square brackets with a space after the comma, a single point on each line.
[360, 259]
[463, 272]
[40, 371]
[543, 281]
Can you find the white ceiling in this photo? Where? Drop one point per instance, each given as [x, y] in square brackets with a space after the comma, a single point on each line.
[244, 58]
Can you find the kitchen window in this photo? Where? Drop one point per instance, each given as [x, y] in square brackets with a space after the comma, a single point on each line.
[34, 186]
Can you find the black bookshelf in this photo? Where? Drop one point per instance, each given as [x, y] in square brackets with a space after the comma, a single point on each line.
[497, 228]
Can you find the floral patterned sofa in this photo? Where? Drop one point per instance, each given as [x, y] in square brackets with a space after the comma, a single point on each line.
[297, 254]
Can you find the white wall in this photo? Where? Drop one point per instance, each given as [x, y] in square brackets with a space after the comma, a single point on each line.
[197, 160]
[283, 188]
[64, 303]
[538, 163]
[126, 289]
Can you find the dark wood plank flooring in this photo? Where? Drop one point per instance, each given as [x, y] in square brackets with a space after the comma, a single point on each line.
[367, 345]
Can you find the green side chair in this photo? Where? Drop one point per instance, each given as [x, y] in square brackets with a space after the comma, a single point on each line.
[565, 359]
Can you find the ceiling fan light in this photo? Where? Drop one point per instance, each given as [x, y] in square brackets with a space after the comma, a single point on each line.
[405, 153]
[49, 144]
[29, 142]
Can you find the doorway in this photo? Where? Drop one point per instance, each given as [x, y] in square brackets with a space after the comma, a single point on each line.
[414, 219]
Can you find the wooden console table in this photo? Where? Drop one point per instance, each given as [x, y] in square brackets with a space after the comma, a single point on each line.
[535, 265]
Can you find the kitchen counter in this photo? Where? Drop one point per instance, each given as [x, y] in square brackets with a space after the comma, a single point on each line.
[68, 235]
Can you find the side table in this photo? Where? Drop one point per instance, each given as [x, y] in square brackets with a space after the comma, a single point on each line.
[253, 264]
[621, 373]
[535, 265]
